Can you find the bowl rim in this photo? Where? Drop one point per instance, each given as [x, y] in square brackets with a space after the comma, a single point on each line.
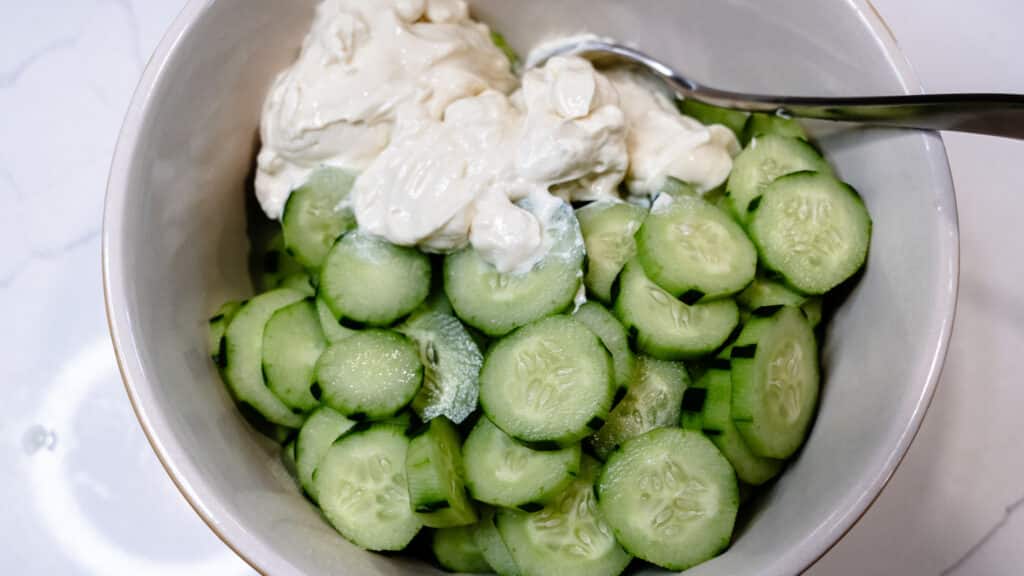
[849, 510]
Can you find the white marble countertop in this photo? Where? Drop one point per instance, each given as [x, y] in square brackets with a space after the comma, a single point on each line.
[84, 492]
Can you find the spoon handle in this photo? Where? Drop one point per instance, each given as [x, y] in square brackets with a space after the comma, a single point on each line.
[992, 114]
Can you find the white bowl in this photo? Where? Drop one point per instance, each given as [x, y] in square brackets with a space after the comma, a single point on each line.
[175, 247]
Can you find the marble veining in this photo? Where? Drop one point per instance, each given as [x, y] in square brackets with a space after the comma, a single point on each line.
[85, 493]
[990, 535]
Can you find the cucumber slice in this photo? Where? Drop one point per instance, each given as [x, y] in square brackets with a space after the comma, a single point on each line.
[676, 187]
[438, 301]
[763, 124]
[775, 382]
[610, 332]
[667, 328]
[498, 303]
[708, 114]
[568, 537]
[493, 548]
[292, 343]
[698, 400]
[243, 366]
[503, 472]
[670, 497]
[652, 401]
[719, 427]
[371, 375]
[314, 216]
[333, 330]
[716, 407]
[433, 467]
[316, 436]
[274, 263]
[765, 295]
[498, 40]
[550, 381]
[694, 250]
[456, 551]
[367, 280]
[764, 160]
[288, 459]
[451, 366]
[608, 228]
[812, 229]
[363, 489]
[300, 282]
[813, 310]
[217, 325]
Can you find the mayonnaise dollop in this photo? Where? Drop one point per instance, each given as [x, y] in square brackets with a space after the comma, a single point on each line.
[360, 63]
[444, 182]
[574, 138]
[414, 96]
[662, 142]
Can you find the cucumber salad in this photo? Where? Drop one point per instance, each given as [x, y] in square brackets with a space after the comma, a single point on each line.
[559, 324]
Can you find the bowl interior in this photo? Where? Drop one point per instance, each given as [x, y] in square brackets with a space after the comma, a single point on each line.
[176, 247]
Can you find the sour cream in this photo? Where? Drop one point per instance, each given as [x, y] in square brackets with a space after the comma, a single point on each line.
[414, 96]
[361, 62]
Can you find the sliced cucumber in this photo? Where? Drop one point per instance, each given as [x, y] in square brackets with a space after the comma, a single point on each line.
[719, 427]
[812, 229]
[292, 343]
[765, 159]
[314, 216]
[493, 548]
[451, 366]
[316, 436]
[716, 406]
[434, 470]
[652, 401]
[608, 228]
[438, 301]
[568, 537]
[371, 375]
[667, 328]
[610, 332]
[498, 303]
[370, 281]
[675, 187]
[550, 381]
[708, 114]
[363, 488]
[274, 263]
[288, 459]
[217, 325]
[300, 282]
[813, 310]
[670, 497]
[765, 295]
[456, 551]
[243, 347]
[763, 124]
[503, 472]
[505, 47]
[694, 250]
[775, 382]
[333, 330]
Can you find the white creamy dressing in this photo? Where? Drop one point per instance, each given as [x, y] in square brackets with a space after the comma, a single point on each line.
[414, 96]
[361, 62]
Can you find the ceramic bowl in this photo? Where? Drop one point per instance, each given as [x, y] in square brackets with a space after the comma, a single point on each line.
[175, 247]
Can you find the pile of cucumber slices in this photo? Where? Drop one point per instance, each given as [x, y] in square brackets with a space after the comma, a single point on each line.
[532, 434]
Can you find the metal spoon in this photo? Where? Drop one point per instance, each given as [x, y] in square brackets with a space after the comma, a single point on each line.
[993, 114]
